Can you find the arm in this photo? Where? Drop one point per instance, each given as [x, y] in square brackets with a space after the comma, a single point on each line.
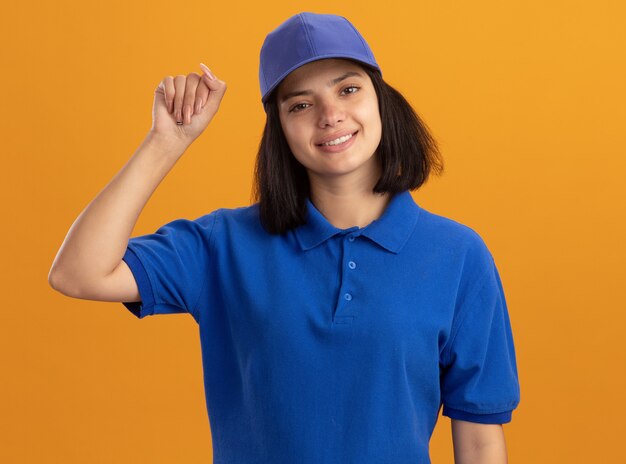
[96, 242]
[476, 443]
[89, 263]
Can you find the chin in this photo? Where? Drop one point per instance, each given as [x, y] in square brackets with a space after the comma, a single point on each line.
[344, 168]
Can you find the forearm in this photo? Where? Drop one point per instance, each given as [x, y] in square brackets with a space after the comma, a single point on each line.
[98, 238]
[476, 443]
[490, 453]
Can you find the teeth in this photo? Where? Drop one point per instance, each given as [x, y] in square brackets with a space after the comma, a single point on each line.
[339, 140]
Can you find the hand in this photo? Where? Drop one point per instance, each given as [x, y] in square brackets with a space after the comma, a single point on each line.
[177, 99]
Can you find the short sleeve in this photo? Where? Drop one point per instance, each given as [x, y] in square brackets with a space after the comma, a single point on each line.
[479, 381]
[170, 266]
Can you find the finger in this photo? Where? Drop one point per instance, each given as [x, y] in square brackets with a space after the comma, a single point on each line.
[190, 95]
[179, 86]
[217, 89]
[207, 71]
[168, 85]
[202, 94]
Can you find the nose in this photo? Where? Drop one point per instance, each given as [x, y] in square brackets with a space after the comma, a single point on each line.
[331, 113]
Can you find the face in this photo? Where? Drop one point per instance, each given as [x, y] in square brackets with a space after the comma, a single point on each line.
[322, 101]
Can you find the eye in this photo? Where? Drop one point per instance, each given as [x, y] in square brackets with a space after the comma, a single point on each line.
[294, 108]
[297, 108]
[352, 87]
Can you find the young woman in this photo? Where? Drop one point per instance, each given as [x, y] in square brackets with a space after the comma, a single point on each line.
[337, 316]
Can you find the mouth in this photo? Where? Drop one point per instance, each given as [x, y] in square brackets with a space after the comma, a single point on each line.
[339, 141]
[344, 144]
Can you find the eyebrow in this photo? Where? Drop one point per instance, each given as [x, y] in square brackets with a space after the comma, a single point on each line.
[334, 81]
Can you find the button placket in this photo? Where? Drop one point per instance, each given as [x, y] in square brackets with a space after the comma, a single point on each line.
[345, 310]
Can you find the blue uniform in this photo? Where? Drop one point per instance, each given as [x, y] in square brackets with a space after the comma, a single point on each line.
[328, 345]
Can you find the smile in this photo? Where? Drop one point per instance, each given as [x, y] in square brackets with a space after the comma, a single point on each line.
[339, 140]
[340, 144]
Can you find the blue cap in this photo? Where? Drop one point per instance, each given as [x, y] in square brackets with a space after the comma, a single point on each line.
[307, 37]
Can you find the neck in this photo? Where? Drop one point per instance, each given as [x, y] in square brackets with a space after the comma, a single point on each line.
[347, 203]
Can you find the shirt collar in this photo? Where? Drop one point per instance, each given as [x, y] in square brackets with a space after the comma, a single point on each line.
[391, 230]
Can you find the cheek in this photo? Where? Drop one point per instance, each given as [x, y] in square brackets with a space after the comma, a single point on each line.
[297, 136]
[373, 123]
[288, 133]
[376, 121]
[296, 141]
[369, 113]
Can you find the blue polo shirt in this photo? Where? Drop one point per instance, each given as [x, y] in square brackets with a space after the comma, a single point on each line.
[327, 345]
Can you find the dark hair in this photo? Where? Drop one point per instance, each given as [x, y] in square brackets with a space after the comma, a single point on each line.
[408, 155]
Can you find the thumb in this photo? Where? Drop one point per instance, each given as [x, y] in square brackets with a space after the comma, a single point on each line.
[217, 89]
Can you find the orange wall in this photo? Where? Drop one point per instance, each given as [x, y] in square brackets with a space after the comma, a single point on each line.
[525, 98]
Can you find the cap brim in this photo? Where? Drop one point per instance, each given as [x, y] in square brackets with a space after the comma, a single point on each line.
[309, 60]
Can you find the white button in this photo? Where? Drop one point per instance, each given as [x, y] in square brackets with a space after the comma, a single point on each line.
[347, 296]
[351, 238]
[351, 264]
